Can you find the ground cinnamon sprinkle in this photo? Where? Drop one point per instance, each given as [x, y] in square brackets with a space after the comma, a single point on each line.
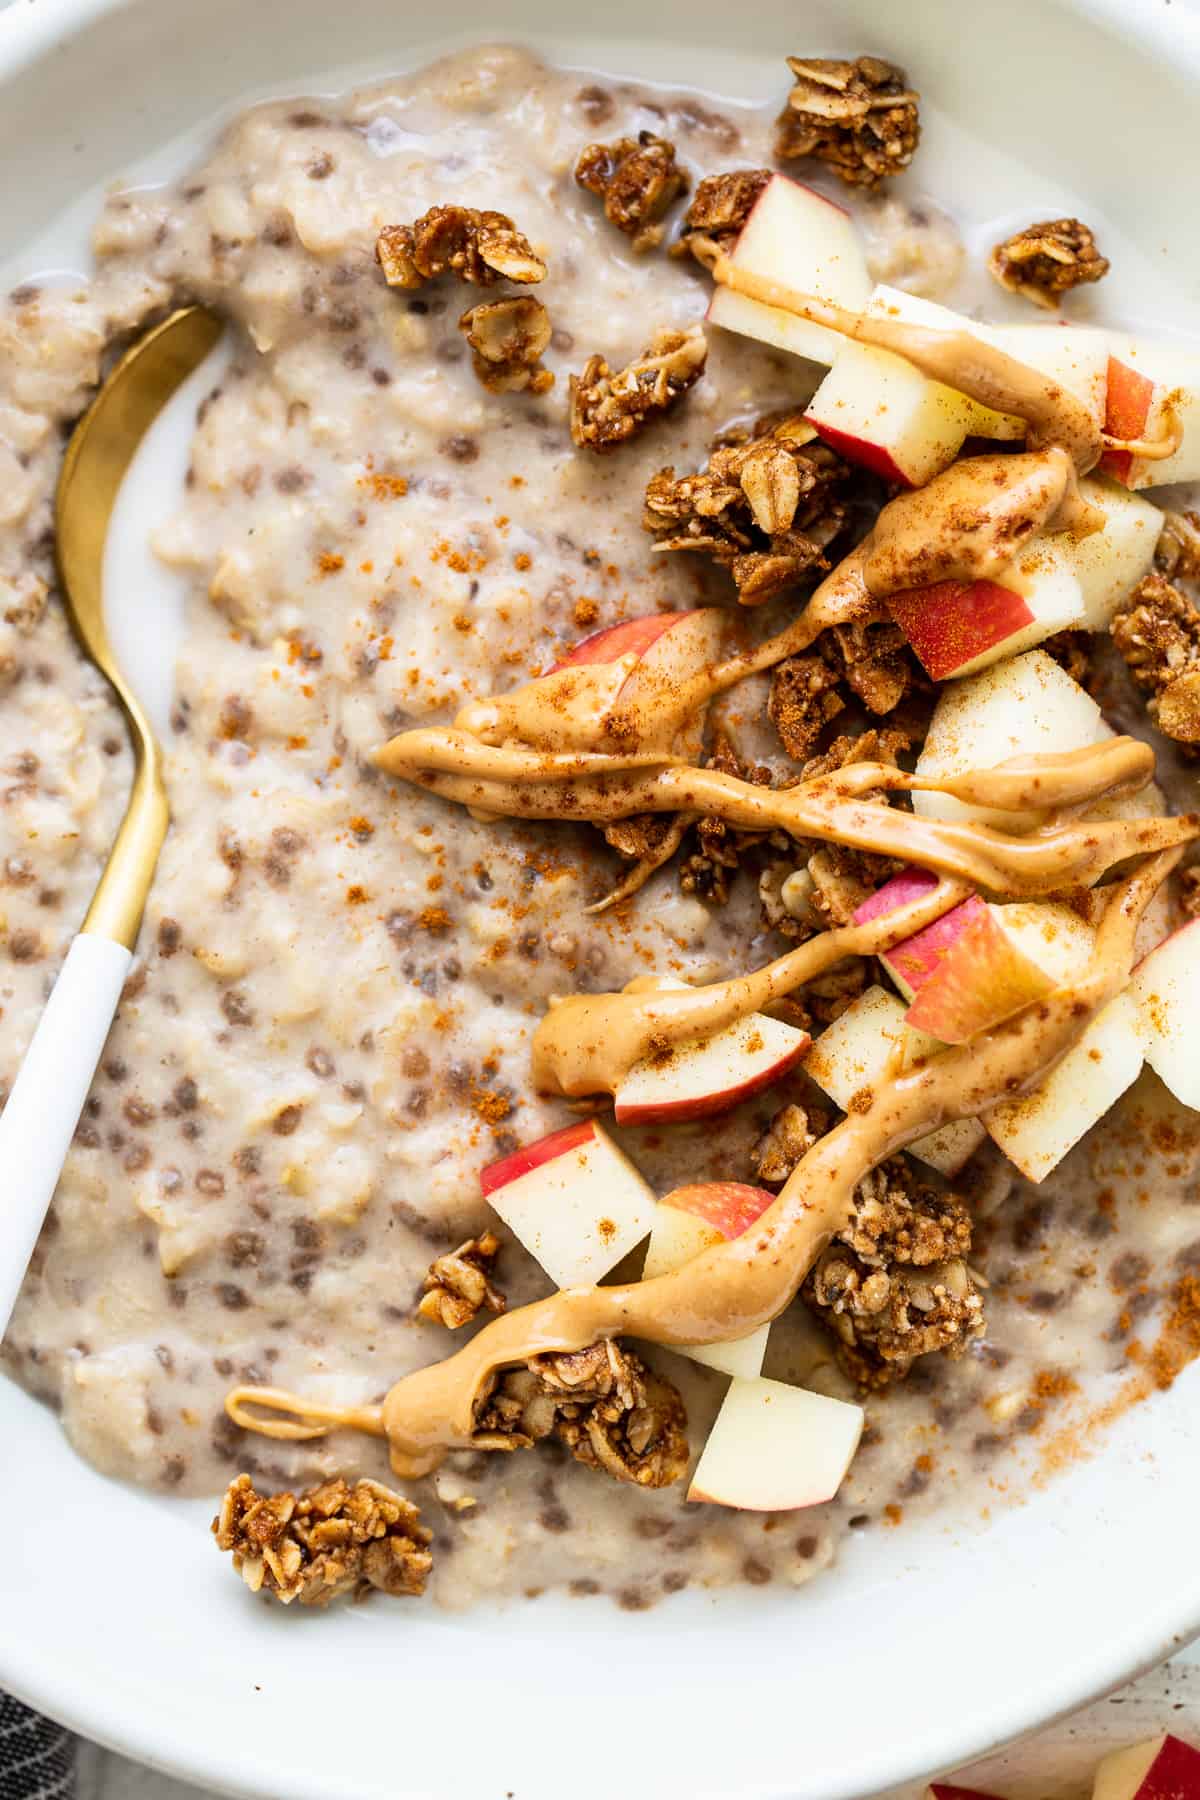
[490, 1106]
[328, 563]
[357, 896]
[586, 611]
[385, 487]
[434, 919]
[1179, 1341]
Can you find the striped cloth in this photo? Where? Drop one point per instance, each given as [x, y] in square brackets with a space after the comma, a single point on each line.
[37, 1757]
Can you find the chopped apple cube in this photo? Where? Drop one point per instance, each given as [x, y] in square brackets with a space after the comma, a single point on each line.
[1166, 988]
[709, 1075]
[1050, 934]
[1151, 386]
[983, 979]
[1016, 708]
[775, 1448]
[691, 1220]
[877, 410]
[1165, 1768]
[866, 1044]
[799, 238]
[1037, 1129]
[1075, 355]
[913, 309]
[1109, 564]
[574, 1200]
[959, 627]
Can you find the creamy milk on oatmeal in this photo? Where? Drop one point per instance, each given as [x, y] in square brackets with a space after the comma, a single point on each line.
[327, 1030]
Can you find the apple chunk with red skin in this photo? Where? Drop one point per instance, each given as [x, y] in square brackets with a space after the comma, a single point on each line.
[691, 1220]
[1152, 387]
[653, 695]
[1165, 1768]
[708, 1075]
[1166, 988]
[958, 627]
[799, 238]
[963, 973]
[574, 1199]
[775, 1448]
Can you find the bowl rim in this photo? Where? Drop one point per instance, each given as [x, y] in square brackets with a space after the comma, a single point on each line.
[29, 31]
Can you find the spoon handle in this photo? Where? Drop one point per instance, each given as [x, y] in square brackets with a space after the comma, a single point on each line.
[39, 1120]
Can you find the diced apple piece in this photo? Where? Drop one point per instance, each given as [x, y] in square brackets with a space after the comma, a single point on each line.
[1166, 987]
[775, 1448]
[983, 979]
[693, 1219]
[708, 1075]
[1036, 1130]
[1050, 934]
[1149, 385]
[799, 238]
[1109, 564]
[914, 309]
[867, 1044]
[880, 412]
[631, 636]
[1016, 708]
[960, 627]
[574, 1200]
[1075, 355]
[1164, 1769]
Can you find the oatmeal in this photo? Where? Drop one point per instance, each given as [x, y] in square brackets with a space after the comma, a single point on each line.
[328, 1028]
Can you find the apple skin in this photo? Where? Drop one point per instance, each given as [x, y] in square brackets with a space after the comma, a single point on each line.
[659, 1105]
[616, 641]
[900, 890]
[950, 624]
[916, 959]
[730, 1207]
[1164, 1769]
[531, 1156]
[1130, 396]
[876, 458]
[982, 980]
[941, 1790]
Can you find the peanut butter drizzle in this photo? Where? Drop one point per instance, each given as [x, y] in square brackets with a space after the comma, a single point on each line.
[745, 1282]
[959, 359]
[587, 1043]
[516, 783]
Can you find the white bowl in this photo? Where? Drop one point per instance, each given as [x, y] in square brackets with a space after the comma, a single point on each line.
[924, 1647]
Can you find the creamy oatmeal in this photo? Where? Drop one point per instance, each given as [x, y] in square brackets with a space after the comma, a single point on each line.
[329, 1025]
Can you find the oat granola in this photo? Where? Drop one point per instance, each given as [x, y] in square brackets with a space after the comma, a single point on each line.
[609, 408]
[860, 118]
[638, 180]
[331, 1542]
[478, 247]
[1045, 261]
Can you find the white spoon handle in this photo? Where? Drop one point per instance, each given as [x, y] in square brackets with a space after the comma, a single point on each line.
[38, 1123]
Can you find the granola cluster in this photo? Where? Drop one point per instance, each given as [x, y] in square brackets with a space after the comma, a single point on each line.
[791, 1135]
[479, 247]
[459, 1285]
[868, 660]
[603, 1403]
[607, 408]
[860, 118]
[894, 1284]
[1047, 260]
[1178, 553]
[329, 1541]
[719, 209]
[1157, 631]
[766, 506]
[507, 339]
[637, 179]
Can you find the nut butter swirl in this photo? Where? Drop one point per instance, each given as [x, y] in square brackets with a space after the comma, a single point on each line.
[745, 1282]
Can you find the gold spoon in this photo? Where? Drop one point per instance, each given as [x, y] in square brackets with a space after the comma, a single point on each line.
[43, 1108]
